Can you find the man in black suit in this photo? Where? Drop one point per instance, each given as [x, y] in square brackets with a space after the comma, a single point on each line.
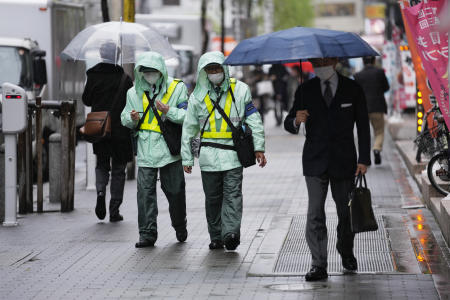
[330, 105]
[374, 83]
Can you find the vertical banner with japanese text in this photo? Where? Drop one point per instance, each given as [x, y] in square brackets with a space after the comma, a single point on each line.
[421, 77]
[432, 45]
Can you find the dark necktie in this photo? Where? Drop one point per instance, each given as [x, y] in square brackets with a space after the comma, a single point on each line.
[328, 95]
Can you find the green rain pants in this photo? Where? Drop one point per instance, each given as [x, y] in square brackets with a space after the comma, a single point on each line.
[223, 202]
[173, 186]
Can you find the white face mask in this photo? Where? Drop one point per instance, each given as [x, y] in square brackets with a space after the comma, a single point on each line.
[216, 78]
[324, 73]
[151, 77]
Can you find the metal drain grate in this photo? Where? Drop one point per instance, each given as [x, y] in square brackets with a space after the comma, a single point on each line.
[371, 249]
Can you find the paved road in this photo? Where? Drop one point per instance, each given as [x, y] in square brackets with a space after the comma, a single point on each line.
[74, 256]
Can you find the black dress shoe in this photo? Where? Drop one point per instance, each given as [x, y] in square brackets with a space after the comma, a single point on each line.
[100, 208]
[116, 218]
[350, 263]
[377, 156]
[143, 243]
[181, 235]
[316, 273]
[214, 245]
[231, 241]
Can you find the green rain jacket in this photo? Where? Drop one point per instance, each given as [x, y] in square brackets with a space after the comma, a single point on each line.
[215, 159]
[152, 149]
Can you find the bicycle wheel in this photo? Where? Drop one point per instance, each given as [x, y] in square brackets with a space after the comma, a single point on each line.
[438, 174]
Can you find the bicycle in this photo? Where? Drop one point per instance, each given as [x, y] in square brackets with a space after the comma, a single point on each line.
[433, 142]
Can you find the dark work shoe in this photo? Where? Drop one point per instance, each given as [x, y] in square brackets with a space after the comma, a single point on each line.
[116, 218]
[143, 243]
[377, 156]
[100, 208]
[231, 241]
[214, 245]
[316, 273]
[350, 263]
[182, 235]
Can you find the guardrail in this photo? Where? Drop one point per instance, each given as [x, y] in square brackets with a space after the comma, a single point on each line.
[66, 111]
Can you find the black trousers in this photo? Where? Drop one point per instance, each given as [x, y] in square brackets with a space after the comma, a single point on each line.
[316, 229]
[105, 165]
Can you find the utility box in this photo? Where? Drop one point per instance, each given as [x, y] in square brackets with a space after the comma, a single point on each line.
[14, 120]
[14, 108]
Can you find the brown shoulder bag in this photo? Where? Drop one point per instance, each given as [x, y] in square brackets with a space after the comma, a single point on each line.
[98, 123]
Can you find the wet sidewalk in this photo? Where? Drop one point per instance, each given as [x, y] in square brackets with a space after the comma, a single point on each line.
[74, 256]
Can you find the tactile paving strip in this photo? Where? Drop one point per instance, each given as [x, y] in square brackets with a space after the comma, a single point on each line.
[371, 249]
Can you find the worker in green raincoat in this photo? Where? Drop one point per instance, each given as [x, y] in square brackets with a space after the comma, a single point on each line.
[152, 151]
[220, 167]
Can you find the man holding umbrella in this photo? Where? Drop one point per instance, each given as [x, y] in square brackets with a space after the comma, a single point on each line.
[330, 105]
[153, 87]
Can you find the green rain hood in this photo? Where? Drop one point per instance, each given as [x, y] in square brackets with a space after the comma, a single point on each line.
[214, 159]
[152, 149]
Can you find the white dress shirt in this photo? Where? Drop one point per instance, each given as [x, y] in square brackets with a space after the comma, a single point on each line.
[333, 84]
[334, 79]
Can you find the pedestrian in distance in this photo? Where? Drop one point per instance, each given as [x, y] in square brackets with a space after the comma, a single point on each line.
[105, 90]
[280, 76]
[169, 97]
[330, 105]
[374, 83]
[221, 170]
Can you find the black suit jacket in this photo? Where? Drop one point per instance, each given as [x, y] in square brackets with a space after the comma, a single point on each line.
[374, 83]
[330, 146]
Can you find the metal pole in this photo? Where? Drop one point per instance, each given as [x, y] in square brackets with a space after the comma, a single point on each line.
[128, 10]
[72, 144]
[22, 172]
[2, 179]
[68, 134]
[222, 25]
[40, 191]
[54, 180]
[10, 180]
[29, 162]
[128, 14]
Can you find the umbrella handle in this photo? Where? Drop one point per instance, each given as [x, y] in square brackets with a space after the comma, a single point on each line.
[301, 86]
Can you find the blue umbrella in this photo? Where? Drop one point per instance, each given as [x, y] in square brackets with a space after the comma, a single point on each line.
[298, 43]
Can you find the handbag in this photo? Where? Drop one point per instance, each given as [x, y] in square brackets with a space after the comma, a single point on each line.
[170, 131]
[242, 138]
[135, 130]
[97, 126]
[362, 218]
[98, 123]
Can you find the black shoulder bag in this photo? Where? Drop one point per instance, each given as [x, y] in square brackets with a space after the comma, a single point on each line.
[171, 131]
[242, 138]
[134, 132]
[362, 217]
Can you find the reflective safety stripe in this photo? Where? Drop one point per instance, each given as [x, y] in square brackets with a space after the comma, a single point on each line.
[153, 125]
[222, 133]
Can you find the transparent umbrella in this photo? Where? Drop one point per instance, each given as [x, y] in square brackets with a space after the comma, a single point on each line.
[116, 43]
